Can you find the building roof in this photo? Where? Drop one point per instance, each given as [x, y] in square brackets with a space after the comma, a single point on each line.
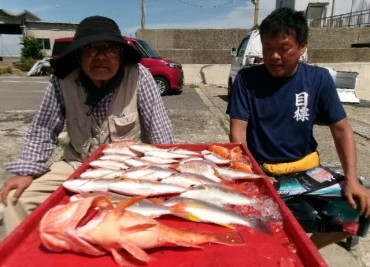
[24, 14]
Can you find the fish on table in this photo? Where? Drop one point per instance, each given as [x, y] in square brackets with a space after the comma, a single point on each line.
[108, 164]
[189, 180]
[218, 195]
[201, 167]
[147, 173]
[201, 211]
[133, 187]
[79, 185]
[101, 173]
[230, 174]
[116, 230]
[214, 158]
[144, 207]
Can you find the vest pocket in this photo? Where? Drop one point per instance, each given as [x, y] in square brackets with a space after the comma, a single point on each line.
[124, 125]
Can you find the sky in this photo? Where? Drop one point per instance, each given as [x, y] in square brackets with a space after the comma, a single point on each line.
[160, 14]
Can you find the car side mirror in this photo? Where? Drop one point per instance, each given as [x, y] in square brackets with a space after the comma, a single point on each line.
[233, 52]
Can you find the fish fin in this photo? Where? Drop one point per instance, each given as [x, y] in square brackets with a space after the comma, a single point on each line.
[102, 202]
[127, 202]
[156, 200]
[228, 225]
[180, 210]
[138, 227]
[231, 238]
[121, 257]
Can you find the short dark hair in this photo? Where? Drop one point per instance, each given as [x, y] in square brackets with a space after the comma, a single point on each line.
[284, 20]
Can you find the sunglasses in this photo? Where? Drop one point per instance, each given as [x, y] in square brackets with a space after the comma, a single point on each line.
[111, 50]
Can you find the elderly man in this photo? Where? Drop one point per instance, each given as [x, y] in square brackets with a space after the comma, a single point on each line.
[102, 94]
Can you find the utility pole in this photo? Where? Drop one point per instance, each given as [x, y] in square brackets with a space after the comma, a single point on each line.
[256, 10]
[332, 9]
[143, 15]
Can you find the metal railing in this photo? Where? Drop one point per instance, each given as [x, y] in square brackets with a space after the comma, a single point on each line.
[353, 19]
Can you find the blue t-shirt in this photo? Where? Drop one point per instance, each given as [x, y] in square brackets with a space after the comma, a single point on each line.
[281, 112]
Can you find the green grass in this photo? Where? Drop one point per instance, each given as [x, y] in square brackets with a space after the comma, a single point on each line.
[222, 123]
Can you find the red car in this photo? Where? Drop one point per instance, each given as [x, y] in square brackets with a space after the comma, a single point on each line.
[168, 74]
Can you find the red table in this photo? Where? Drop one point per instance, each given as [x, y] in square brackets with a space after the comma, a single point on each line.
[289, 247]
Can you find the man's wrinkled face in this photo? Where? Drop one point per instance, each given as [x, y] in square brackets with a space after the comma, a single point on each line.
[281, 53]
[100, 61]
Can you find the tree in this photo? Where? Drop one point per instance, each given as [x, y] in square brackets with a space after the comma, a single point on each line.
[31, 48]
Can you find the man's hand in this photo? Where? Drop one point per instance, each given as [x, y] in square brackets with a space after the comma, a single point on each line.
[356, 191]
[19, 183]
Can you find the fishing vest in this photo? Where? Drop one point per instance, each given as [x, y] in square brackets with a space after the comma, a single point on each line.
[122, 119]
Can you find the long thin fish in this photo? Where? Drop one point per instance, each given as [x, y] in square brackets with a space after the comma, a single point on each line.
[200, 211]
[218, 196]
[132, 187]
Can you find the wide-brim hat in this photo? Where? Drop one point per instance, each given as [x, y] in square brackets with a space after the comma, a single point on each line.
[90, 30]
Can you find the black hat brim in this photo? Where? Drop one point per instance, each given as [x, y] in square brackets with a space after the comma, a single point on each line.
[68, 60]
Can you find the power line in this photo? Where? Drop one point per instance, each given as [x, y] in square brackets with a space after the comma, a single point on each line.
[221, 4]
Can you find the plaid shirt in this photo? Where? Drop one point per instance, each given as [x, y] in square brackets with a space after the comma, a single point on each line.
[42, 136]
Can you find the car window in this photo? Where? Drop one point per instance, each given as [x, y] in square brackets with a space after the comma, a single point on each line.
[146, 50]
[243, 46]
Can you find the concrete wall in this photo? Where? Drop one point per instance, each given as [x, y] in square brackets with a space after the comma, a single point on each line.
[213, 46]
[217, 74]
[206, 46]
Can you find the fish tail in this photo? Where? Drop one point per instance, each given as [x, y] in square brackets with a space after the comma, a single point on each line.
[128, 202]
[180, 210]
[231, 238]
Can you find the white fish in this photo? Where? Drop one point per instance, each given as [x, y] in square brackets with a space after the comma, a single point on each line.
[218, 195]
[101, 173]
[202, 167]
[108, 164]
[147, 173]
[166, 154]
[136, 162]
[126, 151]
[230, 174]
[116, 198]
[87, 185]
[200, 211]
[156, 160]
[188, 180]
[120, 158]
[181, 161]
[131, 187]
[143, 148]
[214, 158]
[185, 151]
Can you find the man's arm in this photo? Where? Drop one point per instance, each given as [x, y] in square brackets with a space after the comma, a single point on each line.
[238, 131]
[156, 122]
[38, 145]
[345, 144]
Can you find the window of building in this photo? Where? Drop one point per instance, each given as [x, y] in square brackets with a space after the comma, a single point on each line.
[45, 43]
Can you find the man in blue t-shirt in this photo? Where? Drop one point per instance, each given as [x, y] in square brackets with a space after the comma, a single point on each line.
[273, 108]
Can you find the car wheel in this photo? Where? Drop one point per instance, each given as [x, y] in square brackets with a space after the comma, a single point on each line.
[162, 85]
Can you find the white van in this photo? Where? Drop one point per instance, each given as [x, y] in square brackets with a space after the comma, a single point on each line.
[249, 53]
